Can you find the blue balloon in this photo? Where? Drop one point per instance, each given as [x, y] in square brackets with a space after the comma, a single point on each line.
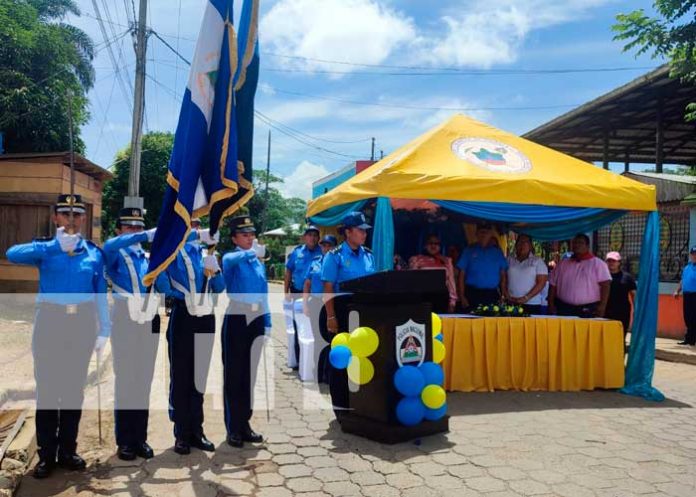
[409, 381]
[410, 411]
[433, 373]
[435, 414]
[440, 337]
[339, 357]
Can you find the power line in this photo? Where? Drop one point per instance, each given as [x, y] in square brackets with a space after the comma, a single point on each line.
[166, 44]
[442, 73]
[460, 70]
[297, 138]
[293, 130]
[418, 107]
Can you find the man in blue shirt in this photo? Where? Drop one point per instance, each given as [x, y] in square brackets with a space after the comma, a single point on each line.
[687, 285]
[295, 270]
[247, 318]
[313, 304]
[190, 281]
[348, 261]
[71, 301]
[483, 271]
[135, 332]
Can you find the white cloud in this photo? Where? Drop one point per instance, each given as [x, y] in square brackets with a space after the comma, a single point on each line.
[299, 182]
[490, 32]
[360, 31]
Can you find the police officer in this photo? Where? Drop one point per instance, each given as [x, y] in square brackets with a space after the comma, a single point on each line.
[190, 281]
[296, 269]
[350, 260]
[247, 317]
[313, 304]
[135, 332]
[71, 299]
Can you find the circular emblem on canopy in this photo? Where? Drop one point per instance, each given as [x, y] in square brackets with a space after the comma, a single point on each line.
[491, 155]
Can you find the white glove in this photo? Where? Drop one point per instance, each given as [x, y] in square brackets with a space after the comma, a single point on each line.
[151, 234]
[67, 242]
[99, 344]
[260, 250]
[210, 263]
[267, 330]
[204, 236]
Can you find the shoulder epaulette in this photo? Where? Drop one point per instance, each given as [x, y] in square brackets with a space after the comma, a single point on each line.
[369, 251]
[335, 250]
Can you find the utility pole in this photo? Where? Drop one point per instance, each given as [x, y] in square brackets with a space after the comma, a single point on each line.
[268, 176]
[381, 154]
[372, 155]
[72, 159]
[134, 199]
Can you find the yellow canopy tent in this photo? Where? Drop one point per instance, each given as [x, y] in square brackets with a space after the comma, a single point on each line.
[484, 173]
[466, 160]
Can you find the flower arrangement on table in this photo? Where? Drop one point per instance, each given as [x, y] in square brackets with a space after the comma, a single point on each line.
[500, 310]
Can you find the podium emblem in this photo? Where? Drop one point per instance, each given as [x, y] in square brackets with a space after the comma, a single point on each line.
[410, 343]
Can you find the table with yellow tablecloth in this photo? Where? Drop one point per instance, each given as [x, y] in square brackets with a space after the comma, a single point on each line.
[535, 353]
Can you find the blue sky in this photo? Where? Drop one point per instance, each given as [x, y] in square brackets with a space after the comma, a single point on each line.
[488, 35]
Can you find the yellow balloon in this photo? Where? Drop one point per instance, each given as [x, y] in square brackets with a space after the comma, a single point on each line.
[438, 351]
[363, 341]
[433, 396]
[340, 339]
[437, 324]
[360, 370]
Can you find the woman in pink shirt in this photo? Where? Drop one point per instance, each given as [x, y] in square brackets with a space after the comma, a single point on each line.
[431, 258]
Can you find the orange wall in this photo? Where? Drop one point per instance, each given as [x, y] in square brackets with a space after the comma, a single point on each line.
[670, 317]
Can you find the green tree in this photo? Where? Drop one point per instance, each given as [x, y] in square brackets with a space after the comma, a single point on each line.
[41, 60]
[670, 34]
[157, 149]
[274, 211]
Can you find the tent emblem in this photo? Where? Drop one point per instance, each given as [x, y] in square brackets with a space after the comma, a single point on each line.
[491, 155]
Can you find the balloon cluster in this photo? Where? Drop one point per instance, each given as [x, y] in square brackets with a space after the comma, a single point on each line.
[351, 351]
[424, 397]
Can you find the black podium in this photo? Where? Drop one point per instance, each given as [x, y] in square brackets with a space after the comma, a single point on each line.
[398, 306]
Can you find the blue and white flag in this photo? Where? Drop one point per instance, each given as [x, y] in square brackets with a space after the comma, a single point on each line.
[210, 167]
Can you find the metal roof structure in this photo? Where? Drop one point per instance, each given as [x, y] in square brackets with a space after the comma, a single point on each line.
[639, 122]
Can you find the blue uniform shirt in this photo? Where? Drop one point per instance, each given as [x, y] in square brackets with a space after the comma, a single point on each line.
[298, 262]
[689, 278]
[178, 273]
[314, 276]
[482, 266]
[116, 266]
[67, 279]
[245, 279]
[343, 264]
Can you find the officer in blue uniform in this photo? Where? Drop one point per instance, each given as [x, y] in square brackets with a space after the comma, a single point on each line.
[191, 281]
[134, 334]
[296, 269]
[246, 320]
[313, 304]
[350, 260]
[72, 319]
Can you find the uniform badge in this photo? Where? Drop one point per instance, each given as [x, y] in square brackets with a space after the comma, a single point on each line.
[410, 343]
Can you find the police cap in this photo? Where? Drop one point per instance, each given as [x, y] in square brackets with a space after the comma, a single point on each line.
[67, 202]
[241, 224]
[131, 216]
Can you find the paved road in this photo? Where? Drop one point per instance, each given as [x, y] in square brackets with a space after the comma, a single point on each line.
[500, 444]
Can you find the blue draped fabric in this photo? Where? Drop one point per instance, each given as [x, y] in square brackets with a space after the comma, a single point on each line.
[641, 356]
[383, 235]
[334, 216]
[539, 221]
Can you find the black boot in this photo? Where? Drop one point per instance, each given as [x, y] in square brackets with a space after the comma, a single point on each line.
[145, 451]
[202, 443]
[126, 453]
[71, 462]
[44, 468]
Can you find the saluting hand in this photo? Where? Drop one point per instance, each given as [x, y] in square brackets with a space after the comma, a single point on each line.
[151, 234]
[68, 242]
[205, 237]
[210, 263]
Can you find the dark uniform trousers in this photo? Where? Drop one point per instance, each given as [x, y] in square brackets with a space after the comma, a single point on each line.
[190, 340]
[62, 345]
[134, 347]
[297, 294]
[240, 359]
[481, 296]
[690, 317]
[338, 378]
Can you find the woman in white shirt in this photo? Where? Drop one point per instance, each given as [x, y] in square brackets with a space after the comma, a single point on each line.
[527, 276]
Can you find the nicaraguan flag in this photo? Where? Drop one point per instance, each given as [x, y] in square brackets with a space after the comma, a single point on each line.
[210, 167]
